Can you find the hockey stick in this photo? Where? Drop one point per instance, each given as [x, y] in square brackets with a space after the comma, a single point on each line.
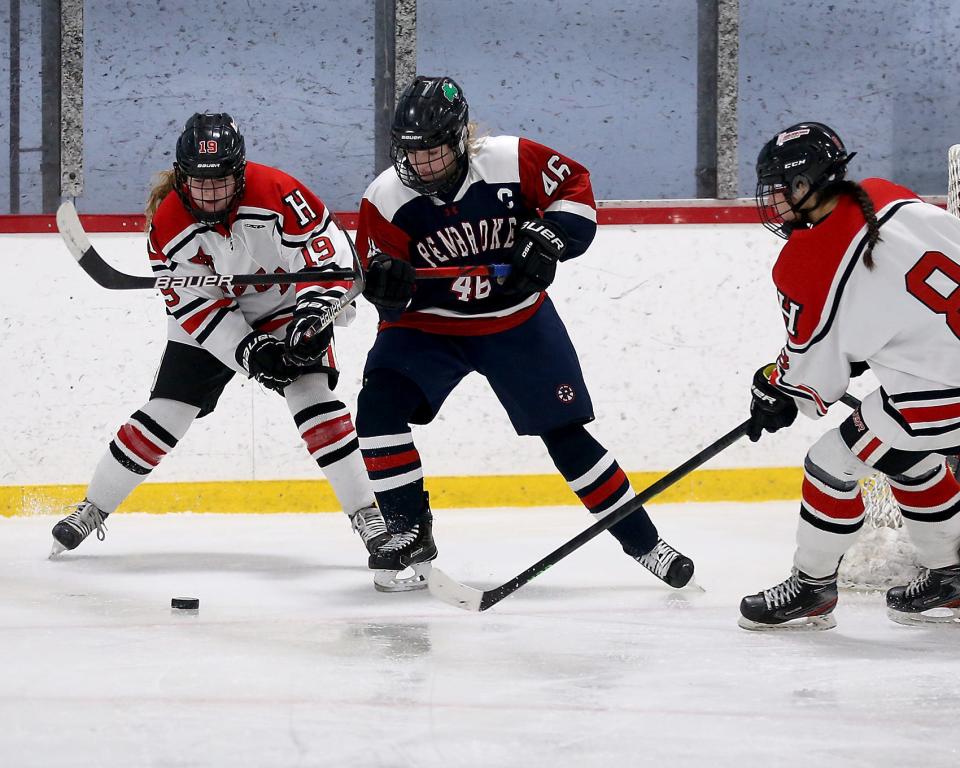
[471, 599]
[77, 242]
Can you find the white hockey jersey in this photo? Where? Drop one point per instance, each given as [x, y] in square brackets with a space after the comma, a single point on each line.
[279, 226]
[902, 316]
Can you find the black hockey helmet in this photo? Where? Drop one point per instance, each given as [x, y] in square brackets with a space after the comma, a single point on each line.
[810, 154]
[210, 147]
[431, 113]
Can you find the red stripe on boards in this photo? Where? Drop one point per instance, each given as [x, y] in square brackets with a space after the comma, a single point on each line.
[741, 211]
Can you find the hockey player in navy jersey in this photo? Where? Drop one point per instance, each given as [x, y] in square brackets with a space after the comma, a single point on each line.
[214, 212]
[869, 277]
[454, 200]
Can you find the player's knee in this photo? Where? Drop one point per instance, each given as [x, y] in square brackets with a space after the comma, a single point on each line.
[832, 462]
[571, 444]
[386, 403]
[170, 416]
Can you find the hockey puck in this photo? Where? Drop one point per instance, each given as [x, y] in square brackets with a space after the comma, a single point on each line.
[185, 603]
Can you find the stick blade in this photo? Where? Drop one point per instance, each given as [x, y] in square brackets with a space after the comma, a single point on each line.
[453, 592]
[68, 222]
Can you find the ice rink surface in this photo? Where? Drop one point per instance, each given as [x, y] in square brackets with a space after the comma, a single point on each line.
[294, 660]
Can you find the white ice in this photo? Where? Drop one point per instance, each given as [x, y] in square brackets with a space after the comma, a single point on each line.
[294, 660]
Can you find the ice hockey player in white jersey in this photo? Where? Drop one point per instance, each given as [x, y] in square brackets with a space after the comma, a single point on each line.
[214, 212]
[869, 278]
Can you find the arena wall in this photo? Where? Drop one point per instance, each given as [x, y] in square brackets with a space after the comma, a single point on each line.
[670, 320]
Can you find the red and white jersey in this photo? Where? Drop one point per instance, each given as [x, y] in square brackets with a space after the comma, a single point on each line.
[279, 226]
[902, 316]
[509, 180]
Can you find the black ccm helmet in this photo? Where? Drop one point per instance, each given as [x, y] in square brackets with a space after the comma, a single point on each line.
[431, 112]
[210, 147]
[808, 153]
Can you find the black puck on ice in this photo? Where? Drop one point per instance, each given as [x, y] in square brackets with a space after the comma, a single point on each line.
[185, 603]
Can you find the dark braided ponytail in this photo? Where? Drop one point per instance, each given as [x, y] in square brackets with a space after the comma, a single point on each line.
[858, 193]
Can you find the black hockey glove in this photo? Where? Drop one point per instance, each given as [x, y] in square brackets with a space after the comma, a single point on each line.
[389, 282]
[311, 330]
[540, 245]
[771, 408]
[262, 356]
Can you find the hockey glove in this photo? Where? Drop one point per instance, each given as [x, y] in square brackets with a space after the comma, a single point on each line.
[540, 245]
[389, 282]
[771, 408]
[310, 331]
[262, 356]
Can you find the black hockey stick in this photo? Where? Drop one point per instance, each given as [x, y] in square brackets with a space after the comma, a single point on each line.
[451, 591]
[472, 599]
[77, 242]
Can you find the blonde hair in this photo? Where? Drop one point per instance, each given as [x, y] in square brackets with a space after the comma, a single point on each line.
[475, 139]
[163, 184]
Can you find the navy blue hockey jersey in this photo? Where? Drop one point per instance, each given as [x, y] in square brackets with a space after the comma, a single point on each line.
[510, 180]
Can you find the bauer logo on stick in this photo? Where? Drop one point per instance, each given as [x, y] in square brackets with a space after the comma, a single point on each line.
[195, 281]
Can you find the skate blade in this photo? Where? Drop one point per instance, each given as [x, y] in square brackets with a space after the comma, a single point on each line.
[390, 581]
[952, 617]
[805, 624]
[56, 550]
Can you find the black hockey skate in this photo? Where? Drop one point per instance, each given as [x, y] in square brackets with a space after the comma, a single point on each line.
[800, 602]
[75, 527]
[369, 523]
[936, 590]
[412, 548]
[664, 562]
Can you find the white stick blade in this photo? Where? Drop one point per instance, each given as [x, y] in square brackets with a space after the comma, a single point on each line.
[68, 222]
[453, 592]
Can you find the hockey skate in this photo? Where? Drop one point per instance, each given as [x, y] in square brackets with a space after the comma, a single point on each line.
[369, 523]
[666, 563]
[413, 548]
[931, 598]
[799, 603]
[75, 527]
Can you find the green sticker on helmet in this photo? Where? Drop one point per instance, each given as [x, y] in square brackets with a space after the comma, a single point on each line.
[450, 91]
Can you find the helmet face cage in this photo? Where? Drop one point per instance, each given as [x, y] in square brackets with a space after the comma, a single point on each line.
[806, 154]
[210, 154]
[431, 113]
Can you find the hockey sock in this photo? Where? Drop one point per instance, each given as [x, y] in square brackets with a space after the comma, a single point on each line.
[930, 504]
[831, 514]
[327, 430]
[384, 408]
[594, 475]
[139, 446]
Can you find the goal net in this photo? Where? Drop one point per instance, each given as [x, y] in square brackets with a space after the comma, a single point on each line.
[883, 555]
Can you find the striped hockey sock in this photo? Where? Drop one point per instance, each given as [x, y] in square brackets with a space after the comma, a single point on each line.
[602, 486]
[138, 447]
[393, 465]
[930, 504]
[831, 514]
[327, 431]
